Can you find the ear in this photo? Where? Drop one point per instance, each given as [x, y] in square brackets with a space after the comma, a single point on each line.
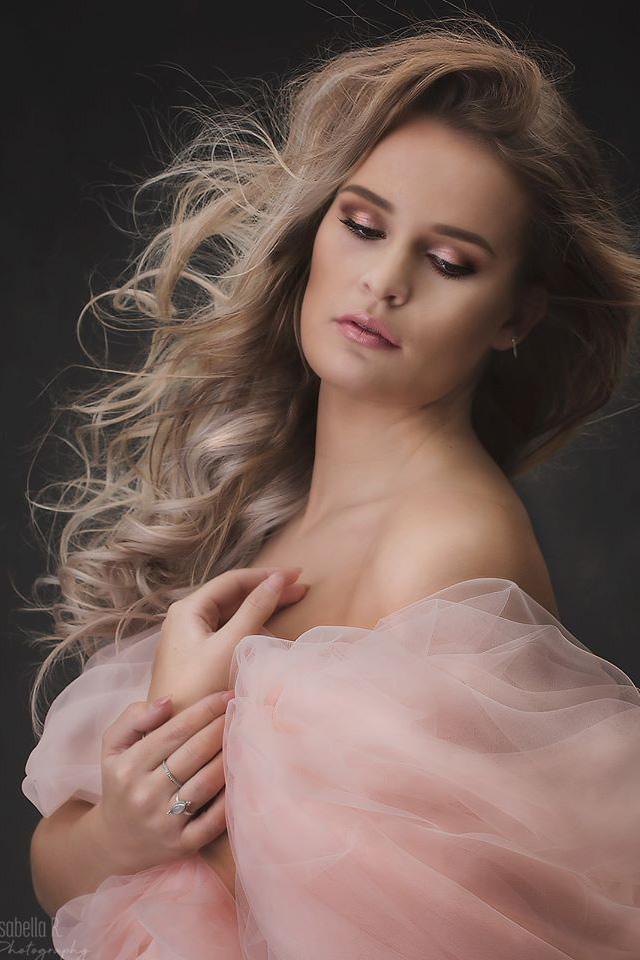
[533, 303]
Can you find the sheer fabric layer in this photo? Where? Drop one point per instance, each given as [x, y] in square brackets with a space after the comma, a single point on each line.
[460, 782]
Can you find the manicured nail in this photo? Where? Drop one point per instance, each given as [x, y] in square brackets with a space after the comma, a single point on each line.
[228, 695]
[275, 580]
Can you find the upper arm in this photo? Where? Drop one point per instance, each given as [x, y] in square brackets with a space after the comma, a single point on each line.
[48, 840]
[460, 538]
[72, 805]
[69, 809]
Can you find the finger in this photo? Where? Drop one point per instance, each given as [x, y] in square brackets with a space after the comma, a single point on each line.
[258, 605]
[135, 721]
[207, 826]
[204, 786]
[161, 743]
[216, 601]
[194, 754]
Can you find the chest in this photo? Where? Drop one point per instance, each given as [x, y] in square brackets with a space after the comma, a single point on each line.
[335, 563]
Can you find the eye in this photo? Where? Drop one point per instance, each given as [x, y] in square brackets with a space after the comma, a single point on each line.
[450, 271]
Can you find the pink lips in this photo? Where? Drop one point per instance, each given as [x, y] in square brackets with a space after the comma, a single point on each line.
[372, 341]
[364, 321]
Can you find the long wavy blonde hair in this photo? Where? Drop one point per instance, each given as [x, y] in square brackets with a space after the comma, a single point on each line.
[204, 445]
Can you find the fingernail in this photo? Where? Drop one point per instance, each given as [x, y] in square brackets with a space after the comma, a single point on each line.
[160, 702]
[228, 695]
[274, 581]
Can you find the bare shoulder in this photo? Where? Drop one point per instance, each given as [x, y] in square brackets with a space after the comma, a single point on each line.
[458, 535]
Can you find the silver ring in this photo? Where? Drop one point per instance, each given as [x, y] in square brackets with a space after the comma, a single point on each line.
[170, 775]
[179, 806]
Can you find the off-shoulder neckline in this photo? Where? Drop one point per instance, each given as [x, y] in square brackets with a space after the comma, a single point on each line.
[500, 584]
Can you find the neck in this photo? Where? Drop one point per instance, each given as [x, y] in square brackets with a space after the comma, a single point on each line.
[368, 452]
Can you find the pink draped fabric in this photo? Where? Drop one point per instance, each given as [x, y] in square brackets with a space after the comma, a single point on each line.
[460, 782]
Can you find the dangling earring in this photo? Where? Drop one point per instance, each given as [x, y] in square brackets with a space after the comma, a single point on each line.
[515, 352]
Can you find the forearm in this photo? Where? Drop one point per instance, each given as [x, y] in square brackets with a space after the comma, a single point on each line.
[69, 856]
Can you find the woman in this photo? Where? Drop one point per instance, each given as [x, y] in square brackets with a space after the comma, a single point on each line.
[360, 336]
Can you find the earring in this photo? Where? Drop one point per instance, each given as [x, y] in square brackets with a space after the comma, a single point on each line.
[515, 352]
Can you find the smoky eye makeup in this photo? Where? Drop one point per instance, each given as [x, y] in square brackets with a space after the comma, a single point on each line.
[358, 214]
[361, 225]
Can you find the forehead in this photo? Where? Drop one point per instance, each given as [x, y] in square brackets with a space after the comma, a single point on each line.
[433, 173]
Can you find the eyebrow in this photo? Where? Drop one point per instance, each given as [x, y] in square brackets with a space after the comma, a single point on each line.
[443, 228]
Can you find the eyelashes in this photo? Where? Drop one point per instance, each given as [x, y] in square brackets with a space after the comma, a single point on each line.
[450, 271]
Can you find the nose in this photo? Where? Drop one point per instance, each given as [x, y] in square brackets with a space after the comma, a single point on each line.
[386, 278]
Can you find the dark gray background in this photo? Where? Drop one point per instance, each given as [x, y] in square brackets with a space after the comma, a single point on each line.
[89, 87]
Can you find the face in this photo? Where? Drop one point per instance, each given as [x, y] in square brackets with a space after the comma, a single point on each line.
[380, 248]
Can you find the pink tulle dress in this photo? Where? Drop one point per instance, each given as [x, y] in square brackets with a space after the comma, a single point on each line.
[459, 782]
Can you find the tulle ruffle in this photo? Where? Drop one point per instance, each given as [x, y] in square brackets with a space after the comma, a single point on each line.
[460, 782]
[177, 911]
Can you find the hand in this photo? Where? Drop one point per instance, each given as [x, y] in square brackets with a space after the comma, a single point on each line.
[201, 631]
[130, 820]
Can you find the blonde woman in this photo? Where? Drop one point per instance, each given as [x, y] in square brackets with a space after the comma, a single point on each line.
[365, 323]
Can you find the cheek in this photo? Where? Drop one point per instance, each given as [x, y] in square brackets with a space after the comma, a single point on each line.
[452, 337]
[319, 299]
[453, 322]
[332, 256]
[466, 315]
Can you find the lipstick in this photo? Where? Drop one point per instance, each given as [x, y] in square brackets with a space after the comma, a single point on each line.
[367, 330]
